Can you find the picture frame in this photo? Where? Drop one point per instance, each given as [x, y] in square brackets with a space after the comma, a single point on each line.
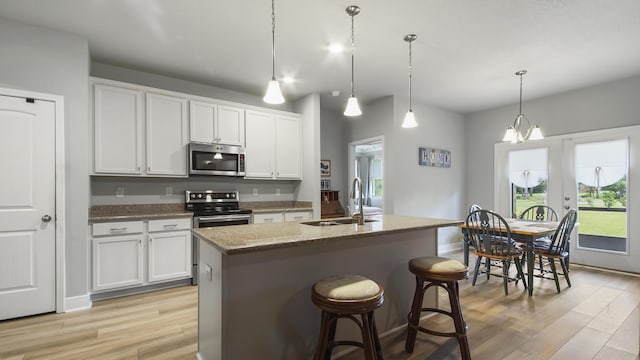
[325, 184]
[325, 167]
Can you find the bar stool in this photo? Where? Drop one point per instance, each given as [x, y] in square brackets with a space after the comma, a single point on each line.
[344, 296]
[445, 273]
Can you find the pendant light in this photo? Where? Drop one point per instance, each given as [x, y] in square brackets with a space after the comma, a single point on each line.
[352, 109]
[410, 118]
[514, 132]
[273, 94]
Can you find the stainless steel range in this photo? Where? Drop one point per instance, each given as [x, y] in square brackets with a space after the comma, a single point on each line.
[213, 208]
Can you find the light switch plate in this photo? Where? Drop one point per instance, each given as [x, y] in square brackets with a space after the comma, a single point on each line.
[277, 191]
[168, 191]
[255, 191]
[119, 191]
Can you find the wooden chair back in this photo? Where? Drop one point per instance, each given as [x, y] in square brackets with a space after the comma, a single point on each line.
[489, 233]
[539, 213]
[560, 240]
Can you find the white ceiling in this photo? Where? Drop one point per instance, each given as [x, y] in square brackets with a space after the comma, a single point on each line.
[464, 59]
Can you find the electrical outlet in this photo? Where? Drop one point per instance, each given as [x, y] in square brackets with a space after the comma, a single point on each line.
[168, 191]
[119, 191]
[255, 191]
[277, 191]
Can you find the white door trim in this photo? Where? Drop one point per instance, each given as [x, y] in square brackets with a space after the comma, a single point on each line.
[59, 187]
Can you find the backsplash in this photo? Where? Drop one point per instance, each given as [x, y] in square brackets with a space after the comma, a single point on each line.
[131, 190]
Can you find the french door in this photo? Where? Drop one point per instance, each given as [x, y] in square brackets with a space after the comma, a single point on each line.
[595, 173]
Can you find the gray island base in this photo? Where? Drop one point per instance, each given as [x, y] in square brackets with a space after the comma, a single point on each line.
[254, 297]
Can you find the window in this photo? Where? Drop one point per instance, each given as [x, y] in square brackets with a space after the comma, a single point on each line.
[376, 177]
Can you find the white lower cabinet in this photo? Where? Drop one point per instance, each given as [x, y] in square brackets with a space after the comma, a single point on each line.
[117, 262]
[169, 255]
[278, 217]
[266, 218]
[297, 216]
[142, 253]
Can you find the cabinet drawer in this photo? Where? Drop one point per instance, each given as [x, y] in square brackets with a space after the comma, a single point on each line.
[297, 216]
[117, 228]
[268, 218]
[169, 224]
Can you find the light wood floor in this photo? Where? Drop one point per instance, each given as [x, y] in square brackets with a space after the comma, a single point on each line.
[597, 318]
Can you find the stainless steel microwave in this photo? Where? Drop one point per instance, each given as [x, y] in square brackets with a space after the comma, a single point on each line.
[223, 160]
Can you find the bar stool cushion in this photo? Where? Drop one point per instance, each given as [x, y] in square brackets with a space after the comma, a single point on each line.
[438, 267]
[347, 287]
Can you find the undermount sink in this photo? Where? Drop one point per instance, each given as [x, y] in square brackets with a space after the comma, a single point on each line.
[335, 222]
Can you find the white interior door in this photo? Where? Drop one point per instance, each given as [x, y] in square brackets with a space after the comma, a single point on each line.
[27, 206]
[603, 236]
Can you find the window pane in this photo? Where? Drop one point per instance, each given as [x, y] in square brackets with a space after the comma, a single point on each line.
[528, 176]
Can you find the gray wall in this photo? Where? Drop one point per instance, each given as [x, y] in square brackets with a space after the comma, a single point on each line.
[410, 189]
[309, 189]
[43, 60]
[334, 148]
[604, 106]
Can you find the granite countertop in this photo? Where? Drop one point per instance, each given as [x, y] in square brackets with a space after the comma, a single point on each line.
[241, 239]
[276, 206]
[104, 213]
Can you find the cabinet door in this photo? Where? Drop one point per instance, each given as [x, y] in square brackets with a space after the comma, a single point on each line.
[202, 117]
[117, 119]
[169, 255]
[117, 262]
[259, 145]
[230, 126]
[288, 148]
[268, 218]
[166, 135]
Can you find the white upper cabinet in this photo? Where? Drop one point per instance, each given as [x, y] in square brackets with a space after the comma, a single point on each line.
[260, 136]
[273, 144]
[118, 132]
[288, 147]
[230, 125]
[166, 135]
[216, 124]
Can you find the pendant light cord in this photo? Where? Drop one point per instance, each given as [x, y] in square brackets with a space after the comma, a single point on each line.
[352, 56]
[273, 40]
[520, 111]
[410, 108]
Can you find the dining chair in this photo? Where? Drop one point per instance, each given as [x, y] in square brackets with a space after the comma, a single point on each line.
[539, 213]
[558, 249]
[472, 208]
[489, 234]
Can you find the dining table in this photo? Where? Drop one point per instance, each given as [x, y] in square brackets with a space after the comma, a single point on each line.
[524, 231]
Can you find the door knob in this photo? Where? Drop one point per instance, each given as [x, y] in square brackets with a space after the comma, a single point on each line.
[567, 207]
[46, 218]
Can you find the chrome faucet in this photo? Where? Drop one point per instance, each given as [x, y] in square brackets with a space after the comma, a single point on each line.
[360, 214]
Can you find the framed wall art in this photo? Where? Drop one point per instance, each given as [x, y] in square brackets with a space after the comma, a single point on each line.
[325, 167]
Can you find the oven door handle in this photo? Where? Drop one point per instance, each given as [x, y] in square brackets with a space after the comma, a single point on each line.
[223, 218]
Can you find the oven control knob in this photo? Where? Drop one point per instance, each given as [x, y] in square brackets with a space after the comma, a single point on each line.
[233, 196]
[199, 196]
[226, 195]
[193, 196]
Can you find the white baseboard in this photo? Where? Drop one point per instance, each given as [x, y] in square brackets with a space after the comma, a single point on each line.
[450, 247]
[77, 303]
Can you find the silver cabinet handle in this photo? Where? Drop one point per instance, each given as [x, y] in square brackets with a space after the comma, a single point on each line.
[118, 230]
[169, 226]
[46, 218]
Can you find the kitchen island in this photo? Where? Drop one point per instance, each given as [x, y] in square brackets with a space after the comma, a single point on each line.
[254, 298]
